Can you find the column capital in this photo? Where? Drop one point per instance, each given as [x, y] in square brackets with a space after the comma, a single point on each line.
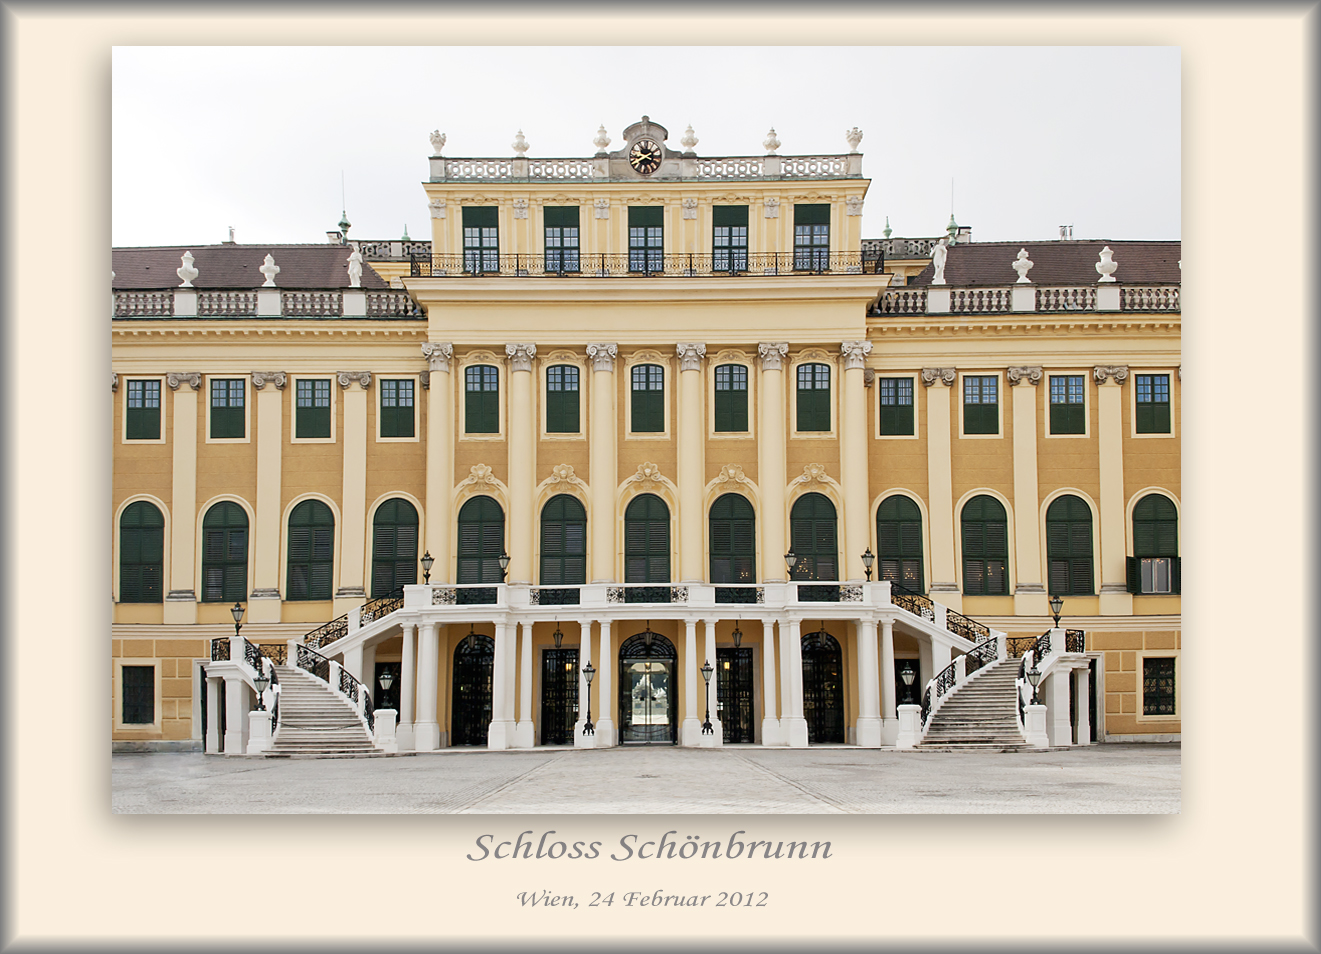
[945, 375]
[690, 355]
[175, 378]
[855, 353]
[603, 355]
[364, 378]
[1102, 372]
[772, 354]
[1030, 376]
[278, 378]
[521, 355]
[438, 355]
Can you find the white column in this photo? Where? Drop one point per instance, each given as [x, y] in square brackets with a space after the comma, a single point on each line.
[692, 721]
[889, 715]
[853, 447]
[770, 721]
[1115, 598]
[771, 460]
[1082, 689]
[213, 714]
[524, 733]
[691, 439]
[236, 716]
[869, 703]
[264, 598]
[717, 736]
[602, 467]
[353, 498]
[407, 677]
[795, 726]
[581, 740]
[1057, 707]
[440, 456]
[500, 735]
[522, 456]
[426, 730]
[180, 598]
[940, 485]
[1029, 593]
[605, 673]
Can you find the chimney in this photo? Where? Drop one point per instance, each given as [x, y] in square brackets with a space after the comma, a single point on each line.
[333, 238]
[230, 240]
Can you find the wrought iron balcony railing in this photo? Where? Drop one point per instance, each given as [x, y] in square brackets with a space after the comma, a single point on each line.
[641, 264]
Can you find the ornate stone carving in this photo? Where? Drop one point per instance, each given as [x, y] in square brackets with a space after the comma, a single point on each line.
[270, 270]
[1021, 265]
[521, 355]
[438, 354]
[175, 378]
[946, 375]
[772, 354]
[424, 378]
[186, 272]
[519, 145]
[601, 141]
[690, 355]
[771, 142]
[814, 474]
[732, 474]
[114, 382]
[561, 474]
[1106, 266]
[520, 208]
[278, 378]
[868, 377]
[648, 476]
[1031, 375]
[689, 140]
[772, 207]
[939, 253]
[346, 378]
[355, 269]
[1101, 372]
[855, 353]
[437, 142]
[690, 208]
[853, 205]
[437, 207]
[603, 355]
[481, 478]
[602, 208]
[854, 137]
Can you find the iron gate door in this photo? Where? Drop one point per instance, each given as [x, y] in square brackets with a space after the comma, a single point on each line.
[734, 693]
[559, 695]
[474, 662]
[823, 689]
[648, 691]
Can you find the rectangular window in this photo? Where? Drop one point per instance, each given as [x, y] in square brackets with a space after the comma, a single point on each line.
[144, 411]
[1153, 403]
[648, 399]
[1156, 574]
[562, 399]
[812, 237]
[729, 244]
[646, 245]
[397, 408]
[561, 223]
[312, 408]
[813, 397]
[1067, 406]
[227, 407]
[732, 398]
[481, 404]
[1158, 685]
[138, 694]
[981, 404]
[481, 239]
[896, 405]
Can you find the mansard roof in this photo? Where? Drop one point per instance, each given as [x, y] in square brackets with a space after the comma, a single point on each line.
[238, 266]
[1068, 262]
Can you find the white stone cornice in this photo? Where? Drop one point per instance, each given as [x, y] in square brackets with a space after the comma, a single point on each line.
[603, 354]
[1101, 372]
[438, 354]
[772, 354]
[278, 378]
[520, 355]
[363, 378]
[175, 378]
[1030, 376]
[945, 375]
[855, 353]
[690, 355]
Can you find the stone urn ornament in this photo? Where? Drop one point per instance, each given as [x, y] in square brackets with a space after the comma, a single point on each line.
[1021, 265]
[854, 137]
[1107, 265]
[771, 142]
[520, 145]
[601, 141]
[689, 140]
[437, 142]
[270, 270]
[186, 272]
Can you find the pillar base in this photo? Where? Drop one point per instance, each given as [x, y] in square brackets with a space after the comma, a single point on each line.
[869, 732]
[910, 727]
[795, 732]
[500, 736]
[770, 732]
[582, 740]
[889, 731]
[234, 742]
[259, 731]
[524, 735]
[691, 732]
[1034, 726]
[605, 734]
[715, 739]
[426, 736]
[403, 737]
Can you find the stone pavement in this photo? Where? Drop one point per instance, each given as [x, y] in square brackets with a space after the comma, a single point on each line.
[1119, 778]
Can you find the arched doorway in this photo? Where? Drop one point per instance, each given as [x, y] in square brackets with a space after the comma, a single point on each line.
[470, 707]
[823, 688]
[648, 689]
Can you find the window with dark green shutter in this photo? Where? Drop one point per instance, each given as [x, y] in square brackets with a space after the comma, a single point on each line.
[394, 547]
[1154, 566]
[731, 397]
[896, 406]
[563, 542]
[1158, 696]
[647, 540]
[562, 399]
[561, 234]
[311, 551]
[225, 554]
[648, 395]
[143, 407]
[899, 542]
[729, 240]
[481, 399]
[814, 397]
[812, 533]
[312, 408]
[1153, 403]
[985, 547]
[481, 541]
[733, 540]
[138, 694]
[1069, 547]
[812, 237]
[481, 239]
[981, 404]
[227, 407]
[646, 242]
[397, 408]
[1067, 405]
[141, 553]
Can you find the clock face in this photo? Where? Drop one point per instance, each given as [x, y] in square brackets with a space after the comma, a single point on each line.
[645, 156]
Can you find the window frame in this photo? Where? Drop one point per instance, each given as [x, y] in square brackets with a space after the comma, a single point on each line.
[711, 555]
[145, 661]
[481, 254]
[796, 431]
[651, 553]
[1092, 550]
[649, 251]
[877, 387]
[1135, 560]
[293, 405]
[961, 556]
[1141, 708]
[923, 543]
[716, 392]
[125, 383]
[119, 551]
[564, 555]
[561, 248]
[815, 254]
[999, 405]
[1086, 405]
[474, 360]
[732, 249]
[1132, 386]
[336, 531]
[247, 409]
[798, 565]
[381, 437]
[721, 359]
[248, 555]
[370, 576]
[549, 366]
[640, 358]
[486, 565]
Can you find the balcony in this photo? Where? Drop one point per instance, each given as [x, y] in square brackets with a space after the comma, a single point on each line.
[690, 168]
[635, 265]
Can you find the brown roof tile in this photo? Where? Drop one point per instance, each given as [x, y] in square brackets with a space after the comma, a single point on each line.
[236, 266]
[1071, 262]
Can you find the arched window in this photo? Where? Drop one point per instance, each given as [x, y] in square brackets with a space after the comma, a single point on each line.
[1154, 566]
[814, 397]
[141, 553]
[985, 547]
[812, 533]
[1069, 546]
[647, 540]
[225, 553]
[563, 542]
[481, 541]
[311, 551]
[899, 542]
[733, 540]
[394, 547]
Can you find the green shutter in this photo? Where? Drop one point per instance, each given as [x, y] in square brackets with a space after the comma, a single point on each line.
[985, 537]
[1069, 547]
[563, 542]
[481, 399]
[141, 554]
[394, 547]
[227, 400]
[648, 399]
[812, 531]
[732, 540]
[646, 216]
[813, 397]
[312, 408]
[647, 540]
[481, 541]
[899, 542]
[731, 398]
[311, 551]
[143, 410]
[562, 404]
[225, 553]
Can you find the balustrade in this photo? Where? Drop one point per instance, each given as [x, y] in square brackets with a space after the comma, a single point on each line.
[904, 301]
[145, 304]
[632, 265]
[226, 303]
[392, 304]
[1149, 298]
[311, 304]
[976, 301]
[1075, 298]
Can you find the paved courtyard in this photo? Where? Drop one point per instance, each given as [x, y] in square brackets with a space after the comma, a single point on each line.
[1120, 778]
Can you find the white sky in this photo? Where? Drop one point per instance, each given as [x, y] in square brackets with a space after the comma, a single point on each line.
[204, 138]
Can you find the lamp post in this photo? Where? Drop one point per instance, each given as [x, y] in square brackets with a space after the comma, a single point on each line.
[908, 676]
[737, 635]
[557, 635]
[504, 566]
[790, 559]
[236, 611]
[867, 560]
[707, 727]
[589, 672]
[386, 680]
[427, 560]
[260, 684]
[1056, 605]
[1034, 677]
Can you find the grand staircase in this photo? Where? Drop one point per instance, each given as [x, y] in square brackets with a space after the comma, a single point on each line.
[979, 717]
[317, 723]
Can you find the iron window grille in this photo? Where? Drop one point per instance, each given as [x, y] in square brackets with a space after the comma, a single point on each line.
[1158, 696]
[138, 695]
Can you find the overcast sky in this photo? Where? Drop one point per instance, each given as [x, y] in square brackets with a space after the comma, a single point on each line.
[258, 138]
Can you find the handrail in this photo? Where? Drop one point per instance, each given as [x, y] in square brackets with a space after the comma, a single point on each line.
[380, 607]
[1075, 641]
[948, 678]
[1041, 648]
[961, 625]
[915, 603]
[318, 665]
[327, 633]
[981, 654]
[638, 263]
[275, 699]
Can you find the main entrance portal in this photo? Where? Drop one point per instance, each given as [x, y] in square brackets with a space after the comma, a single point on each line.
[823, 688]
[734, 693]
[559, 695]
[648, 691]
[474, 662]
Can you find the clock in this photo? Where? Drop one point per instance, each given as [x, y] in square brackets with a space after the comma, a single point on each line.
[645, 156]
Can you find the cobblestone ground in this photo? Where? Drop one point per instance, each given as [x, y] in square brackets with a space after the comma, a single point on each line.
[1132, 778]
